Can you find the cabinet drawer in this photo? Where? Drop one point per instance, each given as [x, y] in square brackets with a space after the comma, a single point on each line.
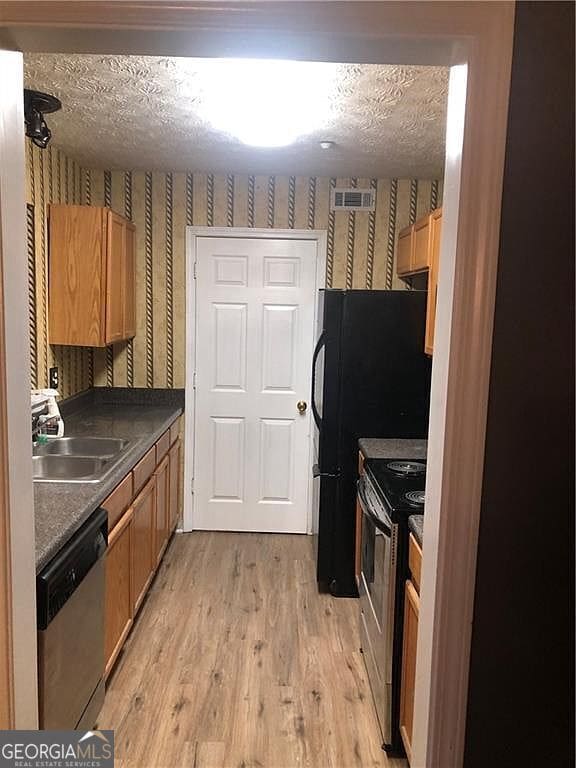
[175, 431]
[118, 501]
[143, 470]
[415, 561]
[162, 446]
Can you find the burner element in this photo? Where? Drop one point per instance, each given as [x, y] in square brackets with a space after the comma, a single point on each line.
[415, 497]
[407, 468]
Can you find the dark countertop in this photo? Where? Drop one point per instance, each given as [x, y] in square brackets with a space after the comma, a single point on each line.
[376, 448]
[61, 508]
[416, 525]
[392, 448]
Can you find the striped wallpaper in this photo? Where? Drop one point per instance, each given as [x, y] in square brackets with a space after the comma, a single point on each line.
[51, 177]
[361, 248]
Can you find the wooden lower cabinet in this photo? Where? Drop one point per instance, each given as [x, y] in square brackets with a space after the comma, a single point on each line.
[119, 612]
[174, 494]
[162, 490]
[139, 531]
[409, 646]
[143, 559]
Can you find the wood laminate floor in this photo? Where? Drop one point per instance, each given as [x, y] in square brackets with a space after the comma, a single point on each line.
[236, 661]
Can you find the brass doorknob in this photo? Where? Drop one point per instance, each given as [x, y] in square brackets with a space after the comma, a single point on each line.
[301, 405]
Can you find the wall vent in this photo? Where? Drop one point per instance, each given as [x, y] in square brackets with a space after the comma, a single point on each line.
[353, 199]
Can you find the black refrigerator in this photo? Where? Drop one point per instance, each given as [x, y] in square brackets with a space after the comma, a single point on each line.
[370, 378]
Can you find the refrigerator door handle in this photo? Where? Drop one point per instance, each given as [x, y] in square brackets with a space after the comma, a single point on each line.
[319, 345]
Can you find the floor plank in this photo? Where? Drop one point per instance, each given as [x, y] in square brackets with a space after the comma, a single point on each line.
[236, 661]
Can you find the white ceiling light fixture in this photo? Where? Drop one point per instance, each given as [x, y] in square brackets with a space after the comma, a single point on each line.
[266, 103]
[327, 145]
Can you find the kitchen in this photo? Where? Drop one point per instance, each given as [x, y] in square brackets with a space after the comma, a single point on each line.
[453, 712]
[150, 211]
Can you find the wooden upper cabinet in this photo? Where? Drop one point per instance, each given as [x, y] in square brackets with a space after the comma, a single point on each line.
[91, 276]
[415, 245]
[404, 252]
[436, 232]
[421, 247]
[115, 271]
[130, 282]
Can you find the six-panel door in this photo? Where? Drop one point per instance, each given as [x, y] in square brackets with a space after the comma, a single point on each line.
[254, 343]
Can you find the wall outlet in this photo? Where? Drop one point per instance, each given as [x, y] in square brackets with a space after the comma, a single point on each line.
[53, 378]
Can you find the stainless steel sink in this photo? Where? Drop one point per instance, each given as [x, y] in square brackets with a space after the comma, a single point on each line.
[82, 446]
[76, 459]
[68, 469]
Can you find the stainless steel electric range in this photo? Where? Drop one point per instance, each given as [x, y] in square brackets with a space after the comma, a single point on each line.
[389, 491]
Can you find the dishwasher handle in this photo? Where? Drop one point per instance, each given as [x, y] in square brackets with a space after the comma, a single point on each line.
[58, 581]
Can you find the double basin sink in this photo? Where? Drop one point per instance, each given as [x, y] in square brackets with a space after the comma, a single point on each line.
[76, 459]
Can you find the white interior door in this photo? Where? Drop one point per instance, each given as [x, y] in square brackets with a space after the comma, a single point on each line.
[255, 302]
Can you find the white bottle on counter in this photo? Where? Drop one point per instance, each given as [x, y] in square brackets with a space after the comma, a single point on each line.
[57, 422]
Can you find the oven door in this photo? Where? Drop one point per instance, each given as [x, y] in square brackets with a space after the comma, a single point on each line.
[377, 588]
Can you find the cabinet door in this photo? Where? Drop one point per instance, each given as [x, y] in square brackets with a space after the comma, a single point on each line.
[118, 588]
[76, 275]
[174, 512]
[130, 281]
[422, 241]
[143, 560]
[436, 226]
[161, 528]
[411, 610]
[404, 251]
[115, 271]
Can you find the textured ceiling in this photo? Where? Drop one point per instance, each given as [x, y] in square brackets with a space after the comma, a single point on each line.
[146, 113]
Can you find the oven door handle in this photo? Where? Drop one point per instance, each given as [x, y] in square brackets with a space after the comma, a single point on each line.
[380, 524]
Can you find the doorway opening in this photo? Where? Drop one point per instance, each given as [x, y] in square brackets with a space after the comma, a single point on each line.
[472, 229]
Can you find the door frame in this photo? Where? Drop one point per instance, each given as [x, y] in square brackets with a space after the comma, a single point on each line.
[193, 234]
[478, 35]
[17, 539]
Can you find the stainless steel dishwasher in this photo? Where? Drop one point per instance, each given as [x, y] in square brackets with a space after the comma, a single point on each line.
[70, 599]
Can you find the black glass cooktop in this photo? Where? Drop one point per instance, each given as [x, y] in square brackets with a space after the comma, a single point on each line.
[399, 482]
